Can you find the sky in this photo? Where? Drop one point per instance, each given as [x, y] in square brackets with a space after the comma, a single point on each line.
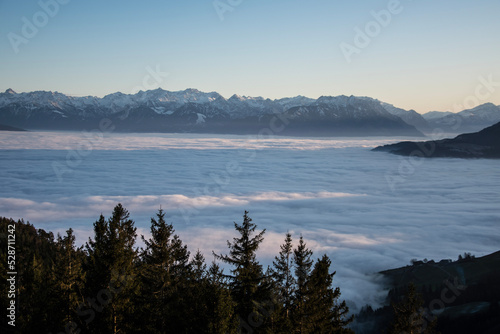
[423, 55]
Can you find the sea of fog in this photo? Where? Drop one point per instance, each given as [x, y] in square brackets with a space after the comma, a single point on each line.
[367, 210]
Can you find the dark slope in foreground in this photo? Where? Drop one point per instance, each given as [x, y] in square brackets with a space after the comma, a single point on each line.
[464, 295]
[468, 271]
[482, 144]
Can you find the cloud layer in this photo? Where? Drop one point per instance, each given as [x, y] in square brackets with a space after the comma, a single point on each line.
[98, 140]
[368, 211]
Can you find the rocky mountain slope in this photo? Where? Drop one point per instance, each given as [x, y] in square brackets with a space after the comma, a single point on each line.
[198, 112]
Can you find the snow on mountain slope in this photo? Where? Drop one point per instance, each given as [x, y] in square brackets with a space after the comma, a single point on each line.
[487, 112]
[290, 102]
[346, 116]
[350, 107]
[200, 119]
[243, 106]
[162, 110]
[47, 99]
[470, 120]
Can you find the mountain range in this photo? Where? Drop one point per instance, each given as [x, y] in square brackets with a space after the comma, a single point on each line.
[194, 111]
[469, 120]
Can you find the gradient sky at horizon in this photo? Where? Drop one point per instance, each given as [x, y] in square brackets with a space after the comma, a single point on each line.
[429, 56]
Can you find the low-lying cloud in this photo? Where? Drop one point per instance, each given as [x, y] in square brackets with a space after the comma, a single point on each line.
[96, 140]
[79, 207]
[333, 192]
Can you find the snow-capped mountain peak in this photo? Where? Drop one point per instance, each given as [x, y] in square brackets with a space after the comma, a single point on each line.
[190, 109]
[236, 97]
[487, 111]
[290, 102]
[470, 120]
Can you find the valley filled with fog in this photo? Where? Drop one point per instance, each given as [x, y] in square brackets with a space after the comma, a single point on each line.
[368, 211]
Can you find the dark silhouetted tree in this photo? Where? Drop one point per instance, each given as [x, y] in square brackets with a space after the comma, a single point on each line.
[220, 305]
[248, 289]
[303, 263]
[110, 266]
[325, 313]
[409, 315]
[164, 274]
[70, 278]
[283, 284]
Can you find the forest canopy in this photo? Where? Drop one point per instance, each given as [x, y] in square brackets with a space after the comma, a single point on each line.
[110, 285]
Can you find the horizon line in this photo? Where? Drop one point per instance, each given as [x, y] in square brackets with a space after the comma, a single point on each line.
[238, 95]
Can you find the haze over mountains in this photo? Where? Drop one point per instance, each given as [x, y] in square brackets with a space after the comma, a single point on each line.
[198, 112]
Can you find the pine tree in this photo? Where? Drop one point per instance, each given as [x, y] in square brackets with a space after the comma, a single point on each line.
[69, 277]
[303, 263]
[36, 299]
[37, 302]
[247, 289]
[198, 267]
[111, 272]
[165, 271]
[220, 305]
[195, 296]
[325, 313]
[283, 282]
[39, 288]
[409, 315]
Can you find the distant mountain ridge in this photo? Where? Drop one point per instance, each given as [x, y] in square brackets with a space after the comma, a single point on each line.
[469, 120]
[198, 112]
[194, 111]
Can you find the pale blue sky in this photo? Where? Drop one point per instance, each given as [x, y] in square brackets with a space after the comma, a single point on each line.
[429, 56]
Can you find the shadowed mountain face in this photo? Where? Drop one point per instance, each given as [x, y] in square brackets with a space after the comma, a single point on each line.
[197, 112]
[482, 144]
[9, 128]
[409, 116]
